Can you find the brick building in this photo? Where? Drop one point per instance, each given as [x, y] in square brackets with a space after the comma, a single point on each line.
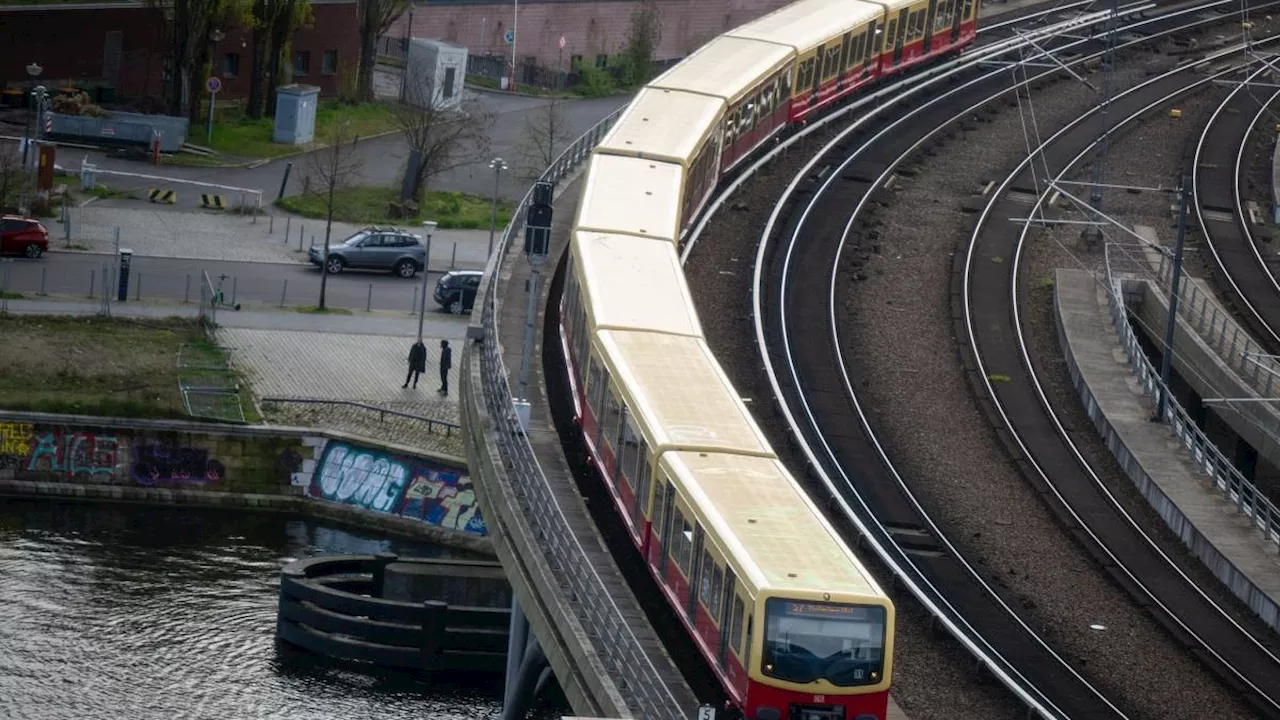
[592, 29]
[120, 46]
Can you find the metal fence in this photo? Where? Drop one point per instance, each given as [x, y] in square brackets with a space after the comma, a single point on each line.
[1262, 512]
[432, 424]
[1233, 344]
[618, 647]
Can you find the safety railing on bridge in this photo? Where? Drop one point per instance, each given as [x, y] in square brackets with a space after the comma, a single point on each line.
[617, 645]
[1262, 512]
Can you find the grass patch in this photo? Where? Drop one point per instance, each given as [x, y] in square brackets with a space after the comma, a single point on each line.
[75, 246]
[453, 210]
[108, 367]
[314, 310]
[105, 192]
[235, 134]
[489, 83]
[7, 295]
[998, 378]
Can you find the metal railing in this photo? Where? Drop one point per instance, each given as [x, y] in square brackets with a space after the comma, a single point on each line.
[618, 648]
[432, 423]
[1262, 512]
[1247, 359]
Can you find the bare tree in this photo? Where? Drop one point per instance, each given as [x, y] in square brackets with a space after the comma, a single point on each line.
[187, 28]
[544, 135]
[444, 136]
[329, 171]
[375, 17]
[12, 176]
[642, 41]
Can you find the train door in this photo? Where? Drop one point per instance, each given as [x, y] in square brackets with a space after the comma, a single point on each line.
[727, 597]
[667, 536]
[695, 577]
[846, 50]
[957, 18]
[817, 74]
[899, 36]
[928, 26]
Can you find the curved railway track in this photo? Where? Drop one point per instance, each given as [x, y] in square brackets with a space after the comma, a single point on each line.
[908, 538]
[1217, 187]
[1037, 436]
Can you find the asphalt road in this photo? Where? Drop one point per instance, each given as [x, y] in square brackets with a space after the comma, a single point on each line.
[256, 283]
[381, 159]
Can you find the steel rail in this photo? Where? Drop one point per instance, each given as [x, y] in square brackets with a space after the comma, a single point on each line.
[863, 527]
[1048, 407]
[1260, 322]
[902, 89]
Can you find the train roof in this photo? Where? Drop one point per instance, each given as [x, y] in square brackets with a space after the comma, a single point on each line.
[766, 521]
[680, 393]
[631, 196]
[662, 124]
[634, 283]
[726, 67]
[808, 23]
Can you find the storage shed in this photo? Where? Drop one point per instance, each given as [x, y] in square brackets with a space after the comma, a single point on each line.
[434, 74]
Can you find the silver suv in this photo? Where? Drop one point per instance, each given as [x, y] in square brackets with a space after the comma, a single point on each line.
[374, 248]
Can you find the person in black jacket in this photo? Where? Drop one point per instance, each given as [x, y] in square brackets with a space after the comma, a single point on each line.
[446, 362]
[417, 363]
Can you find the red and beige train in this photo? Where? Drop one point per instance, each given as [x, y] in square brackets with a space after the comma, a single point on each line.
[784, 613]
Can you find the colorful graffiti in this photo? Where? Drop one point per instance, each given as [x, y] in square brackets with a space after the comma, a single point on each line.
[45, 452]
[407, 486]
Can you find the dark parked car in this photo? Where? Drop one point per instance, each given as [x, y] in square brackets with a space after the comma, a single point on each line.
[456, 290]
[22, 236]
[374, 248]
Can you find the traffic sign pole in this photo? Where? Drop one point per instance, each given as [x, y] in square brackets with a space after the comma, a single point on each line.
[560, 65]
[214, 85]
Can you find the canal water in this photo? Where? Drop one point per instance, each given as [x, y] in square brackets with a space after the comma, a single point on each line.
[114, 611]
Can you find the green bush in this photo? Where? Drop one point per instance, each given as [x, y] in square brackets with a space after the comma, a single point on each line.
[593, 81]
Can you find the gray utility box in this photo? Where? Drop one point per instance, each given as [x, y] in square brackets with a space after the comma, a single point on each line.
[434, 74]
[296, 114]
[122, 127]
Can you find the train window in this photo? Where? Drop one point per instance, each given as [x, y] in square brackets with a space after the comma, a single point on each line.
[735, 626]
[746, 645]
[831, 63]
[704, 576]
[660, 493]
[857, 57]
[891, 31]
[609, 429]
[582, 340]
[641, 484]
[594, 383]
[682, 541]
[627, 447]
[717, 586]
[879, 40]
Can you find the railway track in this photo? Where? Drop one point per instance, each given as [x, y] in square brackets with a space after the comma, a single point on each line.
[1217, 189]
[1036, 434]
[840, 446]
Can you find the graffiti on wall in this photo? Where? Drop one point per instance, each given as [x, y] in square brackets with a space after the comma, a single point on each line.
[410, 487]
[36, 451]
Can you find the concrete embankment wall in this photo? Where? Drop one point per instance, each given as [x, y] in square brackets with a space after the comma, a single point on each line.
[323, 474]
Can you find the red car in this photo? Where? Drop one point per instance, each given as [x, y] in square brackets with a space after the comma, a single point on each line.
[22, 236]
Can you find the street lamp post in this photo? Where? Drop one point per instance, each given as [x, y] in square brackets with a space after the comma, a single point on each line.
[215, 36]
[497, 165]
[429, 226]
[515, 28]
[33, 71]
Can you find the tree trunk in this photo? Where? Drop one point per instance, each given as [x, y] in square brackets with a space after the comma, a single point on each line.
[177, 51]
[279, 39]
[368, 58]
[259, 40]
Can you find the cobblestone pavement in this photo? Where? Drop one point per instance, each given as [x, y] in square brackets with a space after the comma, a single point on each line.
[359, 368]
[158, 231]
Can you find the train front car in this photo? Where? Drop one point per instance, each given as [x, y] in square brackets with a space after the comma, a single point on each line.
[823, 656]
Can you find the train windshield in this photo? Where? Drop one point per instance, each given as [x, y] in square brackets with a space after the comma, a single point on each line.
[808, 641]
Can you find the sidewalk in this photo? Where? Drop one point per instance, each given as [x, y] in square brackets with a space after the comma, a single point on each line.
[359, 358]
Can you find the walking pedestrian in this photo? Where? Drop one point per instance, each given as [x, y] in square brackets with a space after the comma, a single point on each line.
[446, 362]
[417, 363]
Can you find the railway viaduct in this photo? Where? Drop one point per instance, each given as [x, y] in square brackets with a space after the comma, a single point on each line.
[575, 614]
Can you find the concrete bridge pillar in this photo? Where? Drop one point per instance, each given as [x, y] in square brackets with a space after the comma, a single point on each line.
[528, 670]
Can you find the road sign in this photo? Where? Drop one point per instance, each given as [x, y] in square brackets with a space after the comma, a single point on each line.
[561, 42]
[214, 84]
[510, 37]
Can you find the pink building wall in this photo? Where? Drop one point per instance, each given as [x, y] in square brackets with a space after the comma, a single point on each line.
[589, 27]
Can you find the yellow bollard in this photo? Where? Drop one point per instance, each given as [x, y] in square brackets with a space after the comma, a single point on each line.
[1175, 113]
